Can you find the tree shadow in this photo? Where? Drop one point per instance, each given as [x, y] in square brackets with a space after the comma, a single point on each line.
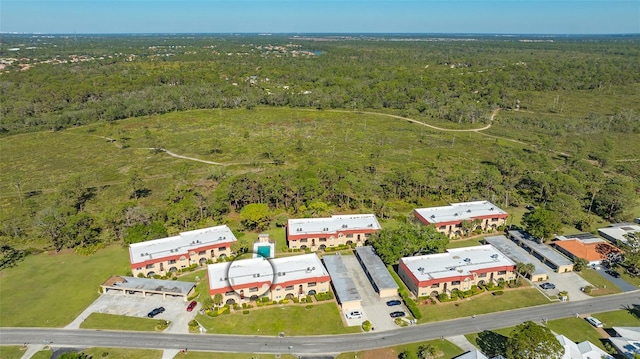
[633, 309]
[140, 193]
[492, 343]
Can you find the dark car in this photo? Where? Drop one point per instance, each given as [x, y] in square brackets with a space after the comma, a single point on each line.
[155, 312]
[548, 286]
[394, 302]
[397, 314]
[612, 273]
[191, 305]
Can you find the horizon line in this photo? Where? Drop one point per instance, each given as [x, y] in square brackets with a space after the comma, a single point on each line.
[267, 33]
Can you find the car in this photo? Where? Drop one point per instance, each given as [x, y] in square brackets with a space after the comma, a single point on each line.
[155, 312]
[394, 302]
[397, 314]
[612, 273]
[548, 286]
[191, 305]
[355, 314]
[595, 322]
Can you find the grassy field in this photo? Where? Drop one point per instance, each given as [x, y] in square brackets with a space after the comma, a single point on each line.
[65, 281]
[121, 353]
[459, 243]
[206, 355]
[483, 304]
[445, 348]
[291, 319]
[119, 322]
[601, 284]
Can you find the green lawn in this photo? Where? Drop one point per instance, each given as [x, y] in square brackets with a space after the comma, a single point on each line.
[445, 348]
[122, 353]
[119, 322]
[619, 318]
[11, 352]
[65, 281]
[491, 342]
[459, 243]
[291, 319]
[42, 354]
[482, 304]
[576, 329]
[602, 285]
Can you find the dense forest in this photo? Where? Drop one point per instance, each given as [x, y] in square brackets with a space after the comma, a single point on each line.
[565, 137]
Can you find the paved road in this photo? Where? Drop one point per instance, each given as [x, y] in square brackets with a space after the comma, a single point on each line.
[313, 344]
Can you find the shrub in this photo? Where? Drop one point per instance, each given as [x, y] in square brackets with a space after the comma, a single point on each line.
[309, 306]
[413, 308]
[245, 311]
[498, 292]
[264, 299]
[588, 289]
[443, 297]
[140, 275]
[295, 300]
[366, 325]
[193, 324]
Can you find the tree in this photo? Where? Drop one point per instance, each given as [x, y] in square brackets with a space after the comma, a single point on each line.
[255, 216]
[525, 269]
[541, 223]
[426, 351]
[579, 264]
[532, 341]
[217, 299]
[632, 252]
[408, 239]
[137, 186]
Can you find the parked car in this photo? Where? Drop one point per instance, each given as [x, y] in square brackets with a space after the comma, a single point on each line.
[356, 314]
[394, 302]
[155, 312]
[548, 286]
[397, 314]
[595, 322]
[612, 273]
[191, 305]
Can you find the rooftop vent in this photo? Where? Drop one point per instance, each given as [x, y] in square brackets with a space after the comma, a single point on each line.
[370, 225]
[455, 214]
[325, 229]
[433, 216]
[420, 269]
[467, 260]
[344, 226]
[491, 209]
[494, 256]
[451, 268]
[468, 211]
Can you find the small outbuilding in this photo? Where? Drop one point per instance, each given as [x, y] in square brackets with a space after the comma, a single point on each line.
[377, 272]
[343, 286]
[146, 286]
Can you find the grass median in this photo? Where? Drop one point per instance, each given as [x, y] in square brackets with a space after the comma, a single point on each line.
[120, 322]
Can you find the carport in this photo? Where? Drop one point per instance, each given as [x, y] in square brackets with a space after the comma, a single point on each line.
[544, 253]
[517, 254]
[146, 286]
[344, 287]
[377, 272]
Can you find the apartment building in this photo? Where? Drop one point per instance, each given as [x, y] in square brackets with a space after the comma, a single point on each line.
[167, 255]
[451, 219]
[320, 233]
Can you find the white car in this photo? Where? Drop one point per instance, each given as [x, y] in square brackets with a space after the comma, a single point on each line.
[356, 314]
[595, 322]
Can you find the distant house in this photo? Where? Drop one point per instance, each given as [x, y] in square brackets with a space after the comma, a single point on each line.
[585, 246]
[582, 350]
[458, 268]
[449, 220]
[616, 232]
[168, 255]
[320, 233]
[276, 279]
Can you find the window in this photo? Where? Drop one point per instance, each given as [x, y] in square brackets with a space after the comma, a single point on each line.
[311, 284]
[322, 240]
[149, 266]
[502, 272]
[459, 225]
[220, 249]
[482, 275]
[172, 261]
[443, 227]
[139, 268]
[494, 219]
[304, 240]
[289, 287]
[253, 289]
[349, 235]
[201, 253]
[455, 282]
[436, 285]
[229, 293]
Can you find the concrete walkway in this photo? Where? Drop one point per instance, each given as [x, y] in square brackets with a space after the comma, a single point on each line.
[32, 349]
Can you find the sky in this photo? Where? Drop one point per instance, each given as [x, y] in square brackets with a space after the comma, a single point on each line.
[312, 16]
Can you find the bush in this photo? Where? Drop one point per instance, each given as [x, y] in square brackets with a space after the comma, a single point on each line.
[309, 306]
[588, 289]
[443, 297]
[366, 325]
[413, 308]
[193, 324]
[246, 311]
[498, 292]
[264, 299]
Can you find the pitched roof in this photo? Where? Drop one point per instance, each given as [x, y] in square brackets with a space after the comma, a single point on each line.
[590, 251]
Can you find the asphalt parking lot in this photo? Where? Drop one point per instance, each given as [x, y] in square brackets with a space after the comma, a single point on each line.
[135, 305]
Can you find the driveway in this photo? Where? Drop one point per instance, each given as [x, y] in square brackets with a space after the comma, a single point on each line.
[570, 282]
[375, 308]
[621, 283]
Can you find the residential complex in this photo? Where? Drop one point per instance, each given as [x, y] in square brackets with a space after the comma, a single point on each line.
[618, 232]
[585, 246]
[459, 219]
[167, 255]
[459, 268]
[279, 278]
[320, 233]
